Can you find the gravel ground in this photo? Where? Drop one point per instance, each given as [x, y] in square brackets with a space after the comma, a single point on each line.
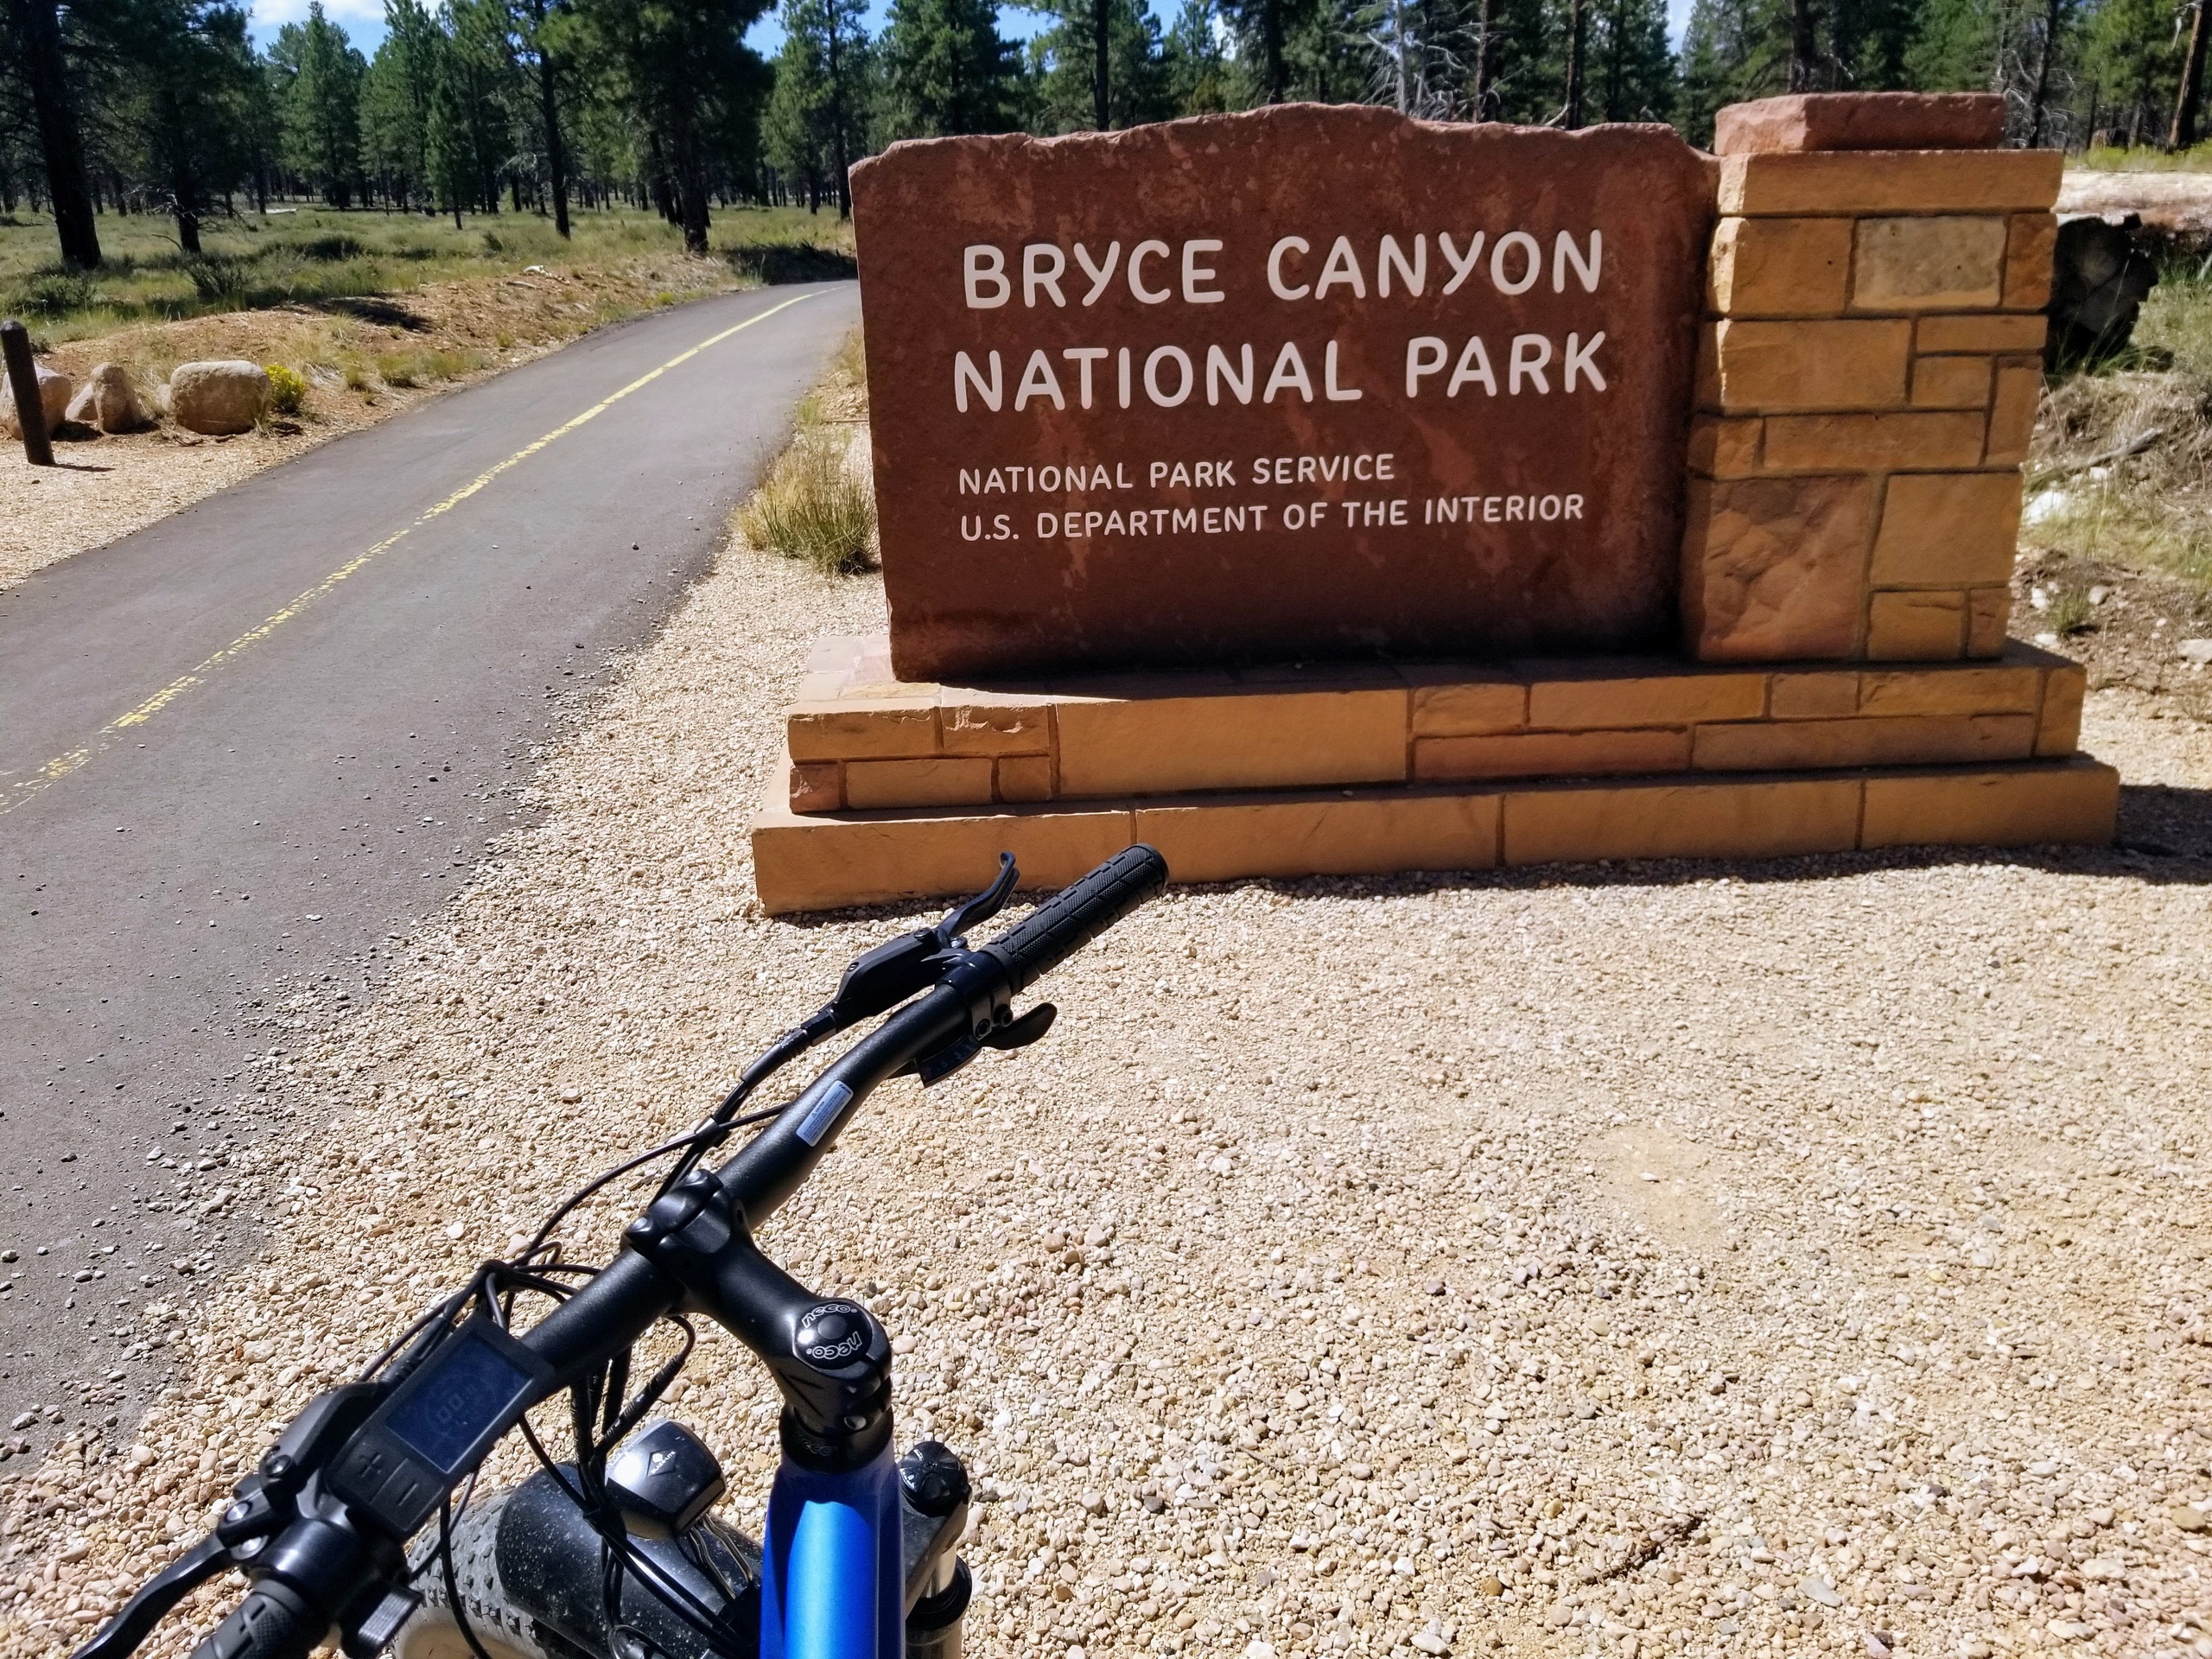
[1808, 1257]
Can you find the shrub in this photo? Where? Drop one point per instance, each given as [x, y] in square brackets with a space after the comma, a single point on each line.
[420, 368]
[288, 390]
[53, 293]
[328, 250]
[2069, 612]
[814, 507]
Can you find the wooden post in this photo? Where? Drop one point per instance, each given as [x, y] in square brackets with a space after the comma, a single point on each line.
[2183, 133]
[30, 408]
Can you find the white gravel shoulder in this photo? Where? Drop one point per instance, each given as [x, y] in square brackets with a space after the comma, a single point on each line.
[1623, 1260]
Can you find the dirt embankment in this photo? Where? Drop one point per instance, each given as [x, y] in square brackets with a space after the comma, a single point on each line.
[364, 359]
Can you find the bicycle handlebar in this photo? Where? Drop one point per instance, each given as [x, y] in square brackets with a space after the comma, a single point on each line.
[273, 1622]
[620, 1302]
[616, 1306]
[1075, 916]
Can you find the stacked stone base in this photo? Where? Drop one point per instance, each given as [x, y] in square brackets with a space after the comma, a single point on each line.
[1437, 767]
[825, 861]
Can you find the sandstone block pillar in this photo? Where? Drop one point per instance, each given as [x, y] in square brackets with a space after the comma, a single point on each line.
[1868, 380]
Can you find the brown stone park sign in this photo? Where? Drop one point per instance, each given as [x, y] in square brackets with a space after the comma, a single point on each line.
[1314, 382]
[1315, 490]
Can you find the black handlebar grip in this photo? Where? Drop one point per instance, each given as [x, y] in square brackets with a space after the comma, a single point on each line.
[273, 1622]
[1075, 916]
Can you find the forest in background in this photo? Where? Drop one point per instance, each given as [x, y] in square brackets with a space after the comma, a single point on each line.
[167, 107]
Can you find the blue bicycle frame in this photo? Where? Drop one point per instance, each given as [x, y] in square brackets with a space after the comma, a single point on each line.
[832, 1584]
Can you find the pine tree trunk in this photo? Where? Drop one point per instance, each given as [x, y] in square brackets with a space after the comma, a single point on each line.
[1101, 88]
[2041, 98]
[2192, 83]
[694, 187]
[40, 27]
[1577, 29]
[1481, 77]
[557, 161]
[1804, 47]
[837, 151]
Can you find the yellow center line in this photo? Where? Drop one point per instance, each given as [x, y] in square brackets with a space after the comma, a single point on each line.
[63, 765]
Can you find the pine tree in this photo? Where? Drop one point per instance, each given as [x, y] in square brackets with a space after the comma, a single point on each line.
[470, 117]
[396, 99]
[1268, 34]
[539, 26]
[1326, 57]
[1957, 45]
[830, 63]
[1868, 40]
[181, 74]
[1733, 51]
[34, 43]
[1201, 78]
[1064, 60]
[792, 130]
[322, 106]
[1631, 69]
[1508, 75]
[948, 70]
[2133, 61]
[693, 90]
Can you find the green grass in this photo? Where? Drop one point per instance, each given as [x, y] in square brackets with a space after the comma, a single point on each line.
[2153, 509]
[2146, 159]
[317, 255]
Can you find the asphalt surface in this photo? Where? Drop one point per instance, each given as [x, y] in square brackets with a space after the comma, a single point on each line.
[233, 776]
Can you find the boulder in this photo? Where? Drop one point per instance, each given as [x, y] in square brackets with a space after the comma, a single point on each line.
[217, 398]
[109, 400]
[53, 391]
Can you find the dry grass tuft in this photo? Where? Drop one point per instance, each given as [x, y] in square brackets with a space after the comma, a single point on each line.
[817, 506]
[817, 503]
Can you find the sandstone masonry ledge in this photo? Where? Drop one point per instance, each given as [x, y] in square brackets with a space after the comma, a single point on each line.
[1812, 121]
[825, 861]
[860, 741]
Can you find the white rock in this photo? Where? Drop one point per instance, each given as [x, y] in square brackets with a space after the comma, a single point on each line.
[2195, 651]
[1819, 1590]
[217, 398]
[54, 389]
[109, 400]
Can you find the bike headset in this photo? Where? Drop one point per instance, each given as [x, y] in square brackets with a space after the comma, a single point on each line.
[322, 1524]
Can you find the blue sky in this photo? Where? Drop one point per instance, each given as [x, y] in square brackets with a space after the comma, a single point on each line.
[364, 20]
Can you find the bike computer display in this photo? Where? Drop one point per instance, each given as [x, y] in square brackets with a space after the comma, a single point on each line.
[438, 1424]
[472, 1386]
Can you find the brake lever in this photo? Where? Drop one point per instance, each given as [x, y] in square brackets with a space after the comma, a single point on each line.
[984, 906]
[263, 1504]
[136, 1620]
[882, 978]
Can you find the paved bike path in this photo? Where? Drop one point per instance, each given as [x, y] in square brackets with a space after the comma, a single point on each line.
[248, 745]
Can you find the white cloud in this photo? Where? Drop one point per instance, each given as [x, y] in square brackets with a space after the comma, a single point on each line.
[362, 20]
